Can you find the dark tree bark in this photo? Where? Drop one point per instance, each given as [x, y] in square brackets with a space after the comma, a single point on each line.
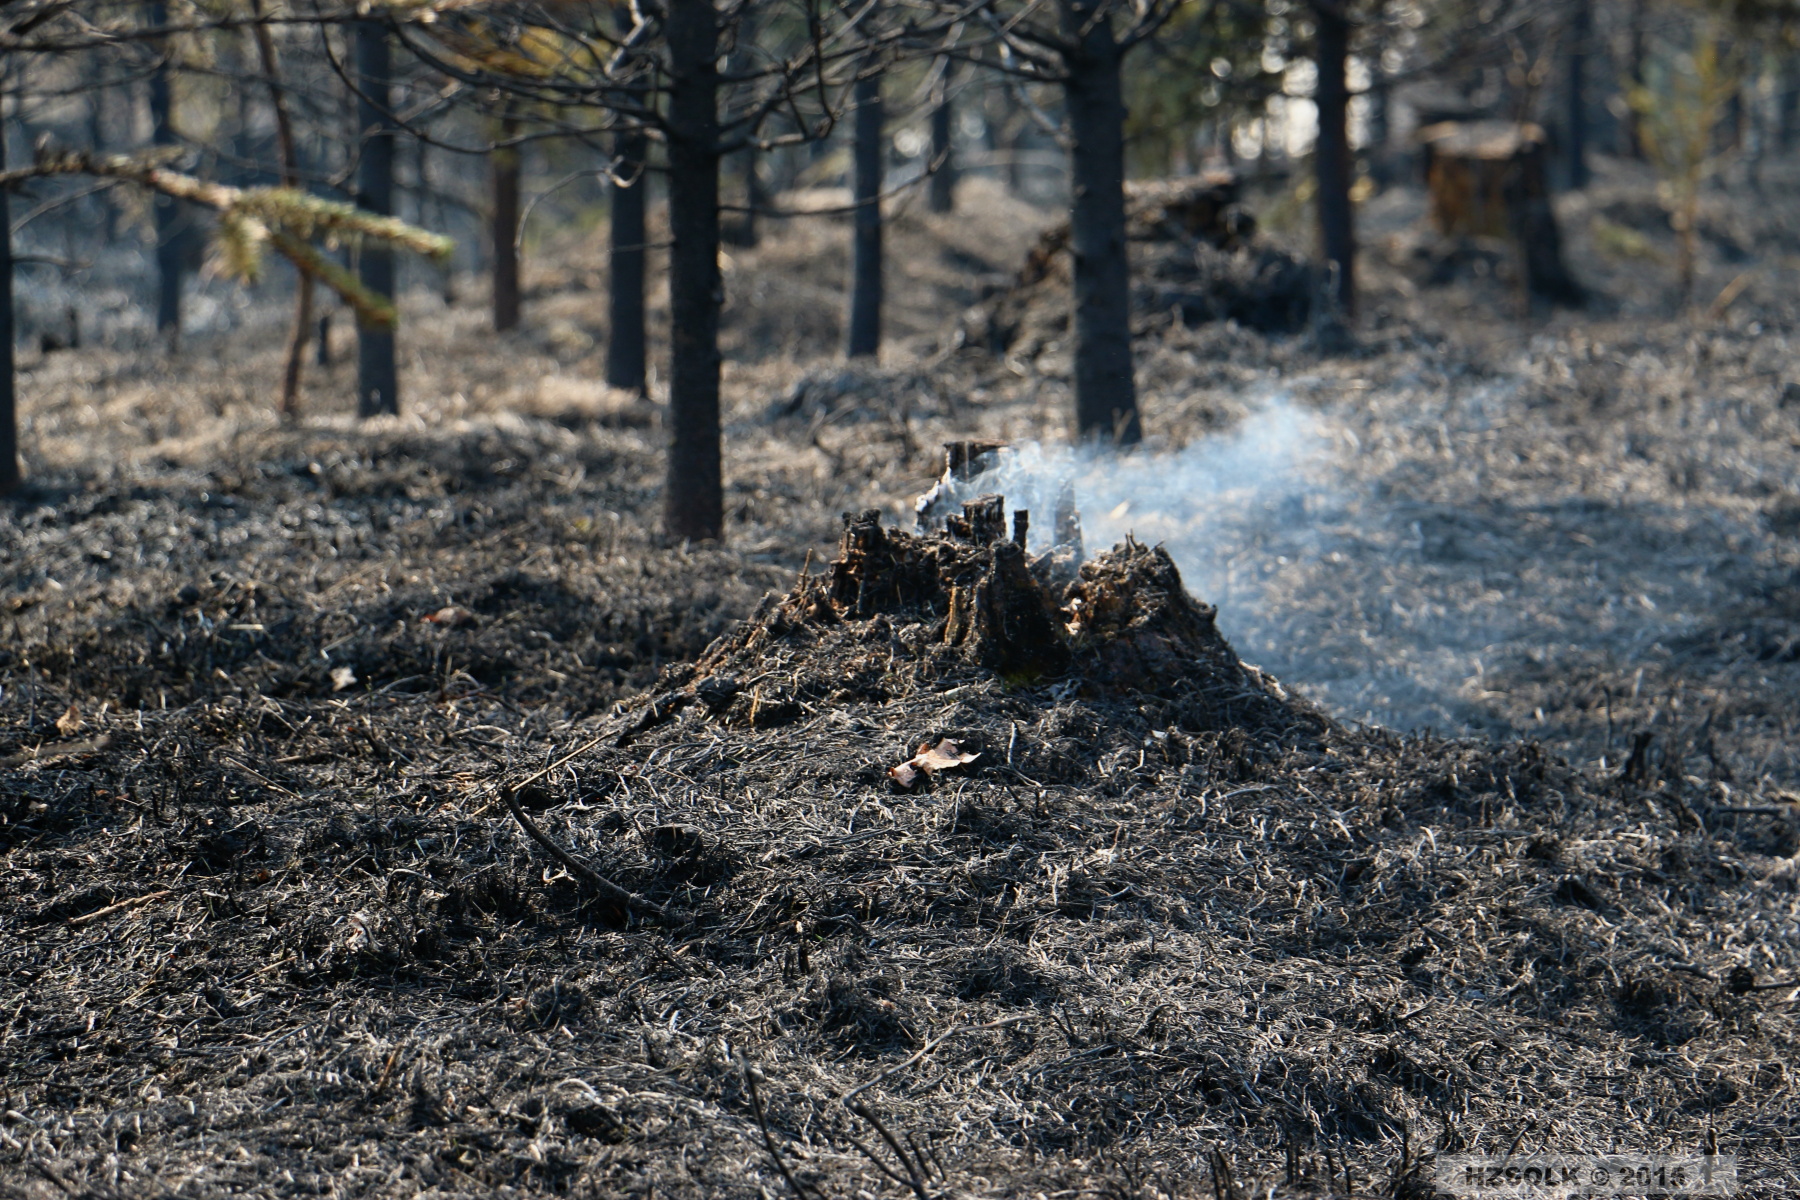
[1105, 390]
[865, 281]
[1331, 156]
[626, 359]
[170, 219]
[693, 493]
[505, 163]
[377, 379]
[942, 196]
[1581, 32]
[10, 477]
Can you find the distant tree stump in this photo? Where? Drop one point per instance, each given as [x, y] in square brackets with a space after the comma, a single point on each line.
[1489, 179]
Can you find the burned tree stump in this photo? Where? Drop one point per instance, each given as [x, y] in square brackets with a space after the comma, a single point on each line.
[1489, 179]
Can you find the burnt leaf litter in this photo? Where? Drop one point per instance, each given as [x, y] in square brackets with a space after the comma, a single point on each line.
[1162, 928]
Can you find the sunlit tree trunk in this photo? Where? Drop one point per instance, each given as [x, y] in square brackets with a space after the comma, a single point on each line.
[626, 359]
[693, 493]
[377, 378]
[865, 281]
[1105, 390]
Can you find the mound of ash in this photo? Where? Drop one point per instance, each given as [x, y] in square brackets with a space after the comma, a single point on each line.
[1194, 259]
[899, 615]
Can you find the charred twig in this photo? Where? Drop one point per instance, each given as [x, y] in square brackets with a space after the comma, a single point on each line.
[658, 712]
[915, 1174]
[121, 906]
[600, 883]
[762, 1121]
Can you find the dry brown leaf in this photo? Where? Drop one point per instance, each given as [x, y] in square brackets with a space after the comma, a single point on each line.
[929, 759]
[69, 722]
[453, 616]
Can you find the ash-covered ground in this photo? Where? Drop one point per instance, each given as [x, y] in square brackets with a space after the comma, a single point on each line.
[271, 928]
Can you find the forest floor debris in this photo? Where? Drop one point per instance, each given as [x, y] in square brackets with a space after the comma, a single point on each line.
[261, 934]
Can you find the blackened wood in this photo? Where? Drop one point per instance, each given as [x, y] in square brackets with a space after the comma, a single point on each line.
[626, 360]
[693, 493]
[377, 379]
[865, 281]
[1105, 391]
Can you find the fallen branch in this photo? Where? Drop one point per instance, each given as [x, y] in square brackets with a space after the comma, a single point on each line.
[600, 883]
[121, 906]
[284, 217]
[762, 1122]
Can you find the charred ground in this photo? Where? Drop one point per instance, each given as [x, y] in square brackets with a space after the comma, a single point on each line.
[270, 926]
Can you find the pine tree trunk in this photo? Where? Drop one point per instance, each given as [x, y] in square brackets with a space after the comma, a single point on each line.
[865, 281]
[505, 162]
[1634, 77]
[693, 494]
[1332, 161]
[377, 379]
[301, 332]
[1105, 391]
[1581, 32]
[625, 355]
[10, 479]
[942, 197]
[169, 218]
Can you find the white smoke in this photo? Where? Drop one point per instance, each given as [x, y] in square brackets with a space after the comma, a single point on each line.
[1257, 518]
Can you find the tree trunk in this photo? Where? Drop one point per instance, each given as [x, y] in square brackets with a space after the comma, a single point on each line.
[10, 478]
[625, 355]
[693, 494]
[1581, 32]
[1787, 103]
[1331, 155]
[1105, 391]
[377, 379]
[290, 177]
[942, 197]
[170, 219]
[1634, 78]
[865, 280]
[505, 162]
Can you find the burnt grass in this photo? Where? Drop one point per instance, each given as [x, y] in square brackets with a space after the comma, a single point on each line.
[271, 932]
[268, 926]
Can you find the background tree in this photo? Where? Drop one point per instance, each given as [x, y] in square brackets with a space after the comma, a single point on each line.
[662, 76]
[505, 167]
[10, 475]
[377, 377]
[1084, 52]
[171, 221]
[869, 150]
[1333, 162]
[626, 354]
